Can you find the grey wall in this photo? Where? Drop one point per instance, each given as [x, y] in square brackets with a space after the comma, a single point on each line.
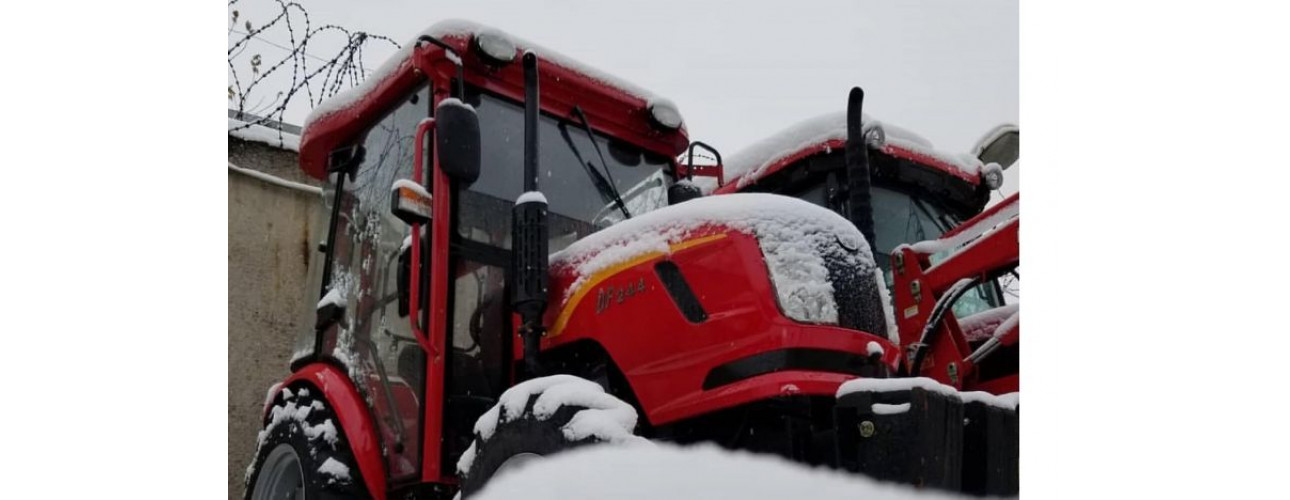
[272, 237]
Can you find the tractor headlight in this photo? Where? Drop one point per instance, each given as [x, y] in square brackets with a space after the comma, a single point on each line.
[824, 276]
[495, 47]
[665, 114]
[800, 277]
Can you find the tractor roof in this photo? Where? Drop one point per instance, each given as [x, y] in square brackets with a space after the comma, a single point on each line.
[826, 132]
[332, 121]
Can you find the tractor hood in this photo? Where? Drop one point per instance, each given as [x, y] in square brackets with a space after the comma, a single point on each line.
[819, 265]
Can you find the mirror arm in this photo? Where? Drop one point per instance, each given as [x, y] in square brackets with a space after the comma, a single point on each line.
[414, 279]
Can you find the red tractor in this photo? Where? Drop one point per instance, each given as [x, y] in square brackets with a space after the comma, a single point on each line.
[476, 179]
[918, 206]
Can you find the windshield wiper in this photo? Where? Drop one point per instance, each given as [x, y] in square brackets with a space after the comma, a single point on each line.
[613, 189]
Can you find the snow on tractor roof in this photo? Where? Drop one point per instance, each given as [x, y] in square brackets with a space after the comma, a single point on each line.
[464, 28]
[751, 163]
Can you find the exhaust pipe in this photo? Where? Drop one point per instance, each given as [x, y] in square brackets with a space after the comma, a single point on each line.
[859, 199]
[529, 233]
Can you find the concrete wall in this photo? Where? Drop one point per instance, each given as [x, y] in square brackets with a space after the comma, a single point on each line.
[273, 233]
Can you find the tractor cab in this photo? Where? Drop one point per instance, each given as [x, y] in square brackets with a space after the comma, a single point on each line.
[917, 193]
[426, 164]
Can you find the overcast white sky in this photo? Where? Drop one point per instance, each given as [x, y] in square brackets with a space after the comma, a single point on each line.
[741, 70]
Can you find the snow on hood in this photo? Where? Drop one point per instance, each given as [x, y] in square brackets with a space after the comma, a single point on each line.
[747, 165]
[459, 27]
[687, 473]
[796, 238]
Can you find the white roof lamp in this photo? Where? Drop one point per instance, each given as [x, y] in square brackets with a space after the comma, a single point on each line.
[1001, 145]
[494, 47]
[664, 114]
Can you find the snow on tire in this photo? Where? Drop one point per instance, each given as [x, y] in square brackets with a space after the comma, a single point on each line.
[541, 417]
[302, 452]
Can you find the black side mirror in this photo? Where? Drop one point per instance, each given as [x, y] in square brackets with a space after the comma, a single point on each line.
[457, 140]
[683, 191]
[346, 159]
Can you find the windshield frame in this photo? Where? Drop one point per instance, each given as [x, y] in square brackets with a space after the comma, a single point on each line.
[573, 213]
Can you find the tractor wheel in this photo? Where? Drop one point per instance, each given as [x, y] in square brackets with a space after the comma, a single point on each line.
[539, 418]
[302, 453]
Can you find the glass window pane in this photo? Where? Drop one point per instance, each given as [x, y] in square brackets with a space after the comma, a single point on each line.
[374, 342]
[578, 207]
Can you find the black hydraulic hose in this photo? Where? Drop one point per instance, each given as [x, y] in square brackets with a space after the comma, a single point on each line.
[938, 313]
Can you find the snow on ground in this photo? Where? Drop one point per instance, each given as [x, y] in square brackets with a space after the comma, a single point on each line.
[681, 473]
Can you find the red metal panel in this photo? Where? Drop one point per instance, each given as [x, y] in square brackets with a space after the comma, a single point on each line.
[665, 358]
[432, 432]
[357, 423]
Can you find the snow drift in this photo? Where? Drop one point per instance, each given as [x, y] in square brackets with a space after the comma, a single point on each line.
[679, 473]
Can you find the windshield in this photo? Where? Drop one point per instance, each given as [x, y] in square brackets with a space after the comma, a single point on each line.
[899, 218]
[570, 185]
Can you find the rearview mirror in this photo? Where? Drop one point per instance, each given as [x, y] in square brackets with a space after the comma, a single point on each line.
[1001, 145]
[457, 140]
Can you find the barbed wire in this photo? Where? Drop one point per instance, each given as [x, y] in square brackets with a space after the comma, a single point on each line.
[315, 83]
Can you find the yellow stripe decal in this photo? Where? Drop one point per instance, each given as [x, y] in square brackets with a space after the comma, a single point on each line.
[605, 274]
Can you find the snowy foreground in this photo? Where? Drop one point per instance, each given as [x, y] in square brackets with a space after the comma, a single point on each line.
[694, 472]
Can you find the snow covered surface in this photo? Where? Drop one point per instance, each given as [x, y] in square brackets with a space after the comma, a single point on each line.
[410, 184]
[334, 468]
[605, 417]
[1007, 325]
[981, 326]
[796, 238]
[290, 410]
[893, 384]
[458, 27]
[748, 164]
[263, 135]
[980, 228]
[335, 296]
[1008, 401]
[529, 197]
[686, 473]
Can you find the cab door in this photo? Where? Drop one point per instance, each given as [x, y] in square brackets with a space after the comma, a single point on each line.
[374, 340]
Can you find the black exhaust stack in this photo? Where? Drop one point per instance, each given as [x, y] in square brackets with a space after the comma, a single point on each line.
[529, 232]
[859, 199]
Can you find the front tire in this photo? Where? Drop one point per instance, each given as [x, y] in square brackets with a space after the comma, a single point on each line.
[302, 453]
[539, 418]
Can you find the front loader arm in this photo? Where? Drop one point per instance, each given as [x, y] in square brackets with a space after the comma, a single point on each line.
[983, 248]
